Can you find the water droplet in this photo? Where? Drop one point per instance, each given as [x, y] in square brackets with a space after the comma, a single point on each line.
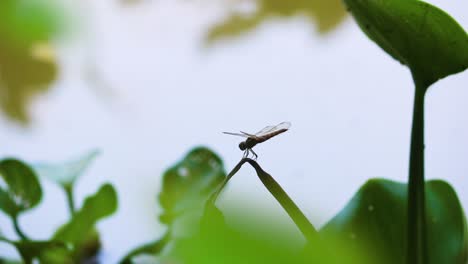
[370, 208]
[183, 172]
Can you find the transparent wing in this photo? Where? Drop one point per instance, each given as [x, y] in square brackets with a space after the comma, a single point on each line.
[271, 129]
[236, 134]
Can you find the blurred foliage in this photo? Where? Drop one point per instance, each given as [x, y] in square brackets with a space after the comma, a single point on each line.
[218, 242]
[376, 218]
[27, 64]
[20, 190]
[185, 188]
[75, 242]
[80, 230]
[325, 14]
[423, 37]
[187, 185]
[41, 250]
[66, 173]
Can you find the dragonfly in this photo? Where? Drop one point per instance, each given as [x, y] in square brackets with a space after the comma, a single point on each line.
[259, 137]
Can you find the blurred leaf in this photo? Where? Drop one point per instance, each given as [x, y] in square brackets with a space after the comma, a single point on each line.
[9, 261]
[426, 39]
[51, 252]
[80, 230]
[24, 70]
[326, 14]
[151, 248]
[187, 185]
[19, 187]
[376, 218]
[23, 75]
[247, 243]
[28, 21]
[66, 173]
[185, 188]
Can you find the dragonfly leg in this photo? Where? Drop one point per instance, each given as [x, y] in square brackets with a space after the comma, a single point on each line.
[255, 154]
[246, 153]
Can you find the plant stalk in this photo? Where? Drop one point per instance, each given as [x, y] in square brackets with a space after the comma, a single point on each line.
[70, 199]
[18, 229]
[417, 237]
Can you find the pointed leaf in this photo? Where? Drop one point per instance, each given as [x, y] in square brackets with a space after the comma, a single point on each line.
[66, 173]
[423, 37]
[376, 218]
[19, 187]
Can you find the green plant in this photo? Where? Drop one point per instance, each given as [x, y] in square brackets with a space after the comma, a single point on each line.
[76, 240]
[410, 223]
[385, 222]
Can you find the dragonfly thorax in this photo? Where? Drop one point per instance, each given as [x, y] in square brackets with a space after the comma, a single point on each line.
[248, 144]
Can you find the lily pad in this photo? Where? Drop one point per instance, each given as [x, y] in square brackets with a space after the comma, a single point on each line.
[423, 37]
[376, 218]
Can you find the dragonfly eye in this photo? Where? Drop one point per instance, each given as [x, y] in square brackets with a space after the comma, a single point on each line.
[242, 146]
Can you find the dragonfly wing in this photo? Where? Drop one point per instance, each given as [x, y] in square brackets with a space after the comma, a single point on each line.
[236, 134]
[272, 129]
[247, 134]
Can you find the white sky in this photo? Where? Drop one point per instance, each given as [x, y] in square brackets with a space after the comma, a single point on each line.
[349, 103]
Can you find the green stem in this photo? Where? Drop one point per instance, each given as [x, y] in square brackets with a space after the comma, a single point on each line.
[18, 229]
[280, 195]
[417, 244]
[215, 195]
[70, 200]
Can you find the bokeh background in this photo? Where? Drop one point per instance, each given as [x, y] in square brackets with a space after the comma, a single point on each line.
[144, 81]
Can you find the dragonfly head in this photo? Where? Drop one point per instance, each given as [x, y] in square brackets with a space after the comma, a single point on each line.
[242, 146]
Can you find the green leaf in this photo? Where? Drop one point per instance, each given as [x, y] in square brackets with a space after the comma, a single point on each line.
[19, 187]
[376, 218]
[66, 173]
[187, 185]
[151, 248]
[27, 21]
[248, 240]
[81, 226]
[185, 188]
[24, 75]
[423, 37]
[51, 252]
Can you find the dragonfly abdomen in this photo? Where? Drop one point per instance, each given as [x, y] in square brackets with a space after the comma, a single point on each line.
[270, 135]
